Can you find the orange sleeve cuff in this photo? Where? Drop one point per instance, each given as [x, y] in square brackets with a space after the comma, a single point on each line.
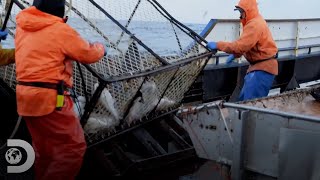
[220, 45]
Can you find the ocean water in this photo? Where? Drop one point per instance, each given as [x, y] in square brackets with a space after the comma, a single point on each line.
[159, 36]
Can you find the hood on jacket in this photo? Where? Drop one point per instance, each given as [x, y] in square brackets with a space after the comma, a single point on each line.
[32, 19]
[54, 7]
[250, 7]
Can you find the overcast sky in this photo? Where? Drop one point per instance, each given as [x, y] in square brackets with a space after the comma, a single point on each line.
[201, 11]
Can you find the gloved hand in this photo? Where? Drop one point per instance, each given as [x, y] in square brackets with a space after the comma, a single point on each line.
[105, 47]
[4, 34]
[212, 46]
[100, 46]
[230, 59]
[105, 50]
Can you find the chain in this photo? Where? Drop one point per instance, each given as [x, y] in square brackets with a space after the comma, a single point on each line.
[112, 45]
[127, 25]
[178, 40]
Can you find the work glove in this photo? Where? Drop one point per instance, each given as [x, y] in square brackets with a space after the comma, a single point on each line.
[230, 59]
[100, 45]
[105, 50]
[4, 34]
[105, 47]
[212, 46]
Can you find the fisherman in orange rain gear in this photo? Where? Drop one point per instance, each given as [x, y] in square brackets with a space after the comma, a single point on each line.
[6, 55]
[258, 47]
[45, 49]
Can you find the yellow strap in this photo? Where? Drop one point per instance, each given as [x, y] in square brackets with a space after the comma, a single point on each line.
[60, 101]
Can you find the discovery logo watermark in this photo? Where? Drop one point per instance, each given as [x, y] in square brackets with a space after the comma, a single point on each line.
[14, 156]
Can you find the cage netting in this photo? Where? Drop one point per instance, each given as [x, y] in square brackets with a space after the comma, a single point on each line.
[152, 60]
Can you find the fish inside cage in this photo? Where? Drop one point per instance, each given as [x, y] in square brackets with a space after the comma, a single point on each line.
[152, 60]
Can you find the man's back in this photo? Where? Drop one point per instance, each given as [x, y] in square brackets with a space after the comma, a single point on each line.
[45, 48]
[264, 47]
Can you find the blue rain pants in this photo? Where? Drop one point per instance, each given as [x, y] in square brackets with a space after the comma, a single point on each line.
[256, 85]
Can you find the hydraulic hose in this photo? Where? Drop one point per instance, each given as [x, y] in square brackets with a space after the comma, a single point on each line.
[14, 131]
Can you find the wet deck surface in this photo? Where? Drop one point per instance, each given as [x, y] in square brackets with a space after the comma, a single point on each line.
[182, 170]
[300, 103]
[309, 106]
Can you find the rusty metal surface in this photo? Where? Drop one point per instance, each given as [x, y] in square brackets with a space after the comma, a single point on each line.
[262, 130]
[298, 102]
[208, 135]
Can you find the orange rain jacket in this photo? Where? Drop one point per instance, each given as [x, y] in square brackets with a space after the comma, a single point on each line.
[256, 42]
[45, 48]
[6, 56]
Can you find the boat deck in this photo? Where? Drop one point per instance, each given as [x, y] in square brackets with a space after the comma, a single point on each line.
[298, 102]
